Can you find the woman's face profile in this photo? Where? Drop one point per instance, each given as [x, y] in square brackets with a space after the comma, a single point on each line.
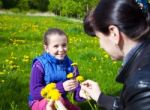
[109, 46]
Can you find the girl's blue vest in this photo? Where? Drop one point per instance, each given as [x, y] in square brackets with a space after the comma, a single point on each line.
[54, 70]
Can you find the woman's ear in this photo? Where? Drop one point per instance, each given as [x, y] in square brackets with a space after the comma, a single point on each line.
[114, 34]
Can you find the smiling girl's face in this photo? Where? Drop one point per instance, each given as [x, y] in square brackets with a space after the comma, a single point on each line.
[57, 46]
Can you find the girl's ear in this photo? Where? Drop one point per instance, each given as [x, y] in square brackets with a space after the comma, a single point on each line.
[45, 48]
[114, 34]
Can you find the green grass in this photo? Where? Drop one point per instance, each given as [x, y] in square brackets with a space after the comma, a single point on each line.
[21, 41]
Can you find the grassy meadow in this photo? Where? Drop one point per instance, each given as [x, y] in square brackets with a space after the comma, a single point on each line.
[21, 41]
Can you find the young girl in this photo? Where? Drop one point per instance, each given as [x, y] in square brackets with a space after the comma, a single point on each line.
[52, 67]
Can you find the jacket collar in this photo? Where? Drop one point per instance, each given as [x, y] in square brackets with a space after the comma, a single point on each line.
[51, 58]
[124, 71]
[130, 53]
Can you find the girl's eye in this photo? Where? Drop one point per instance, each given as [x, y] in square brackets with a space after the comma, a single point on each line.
[64, 45]
[55, 46]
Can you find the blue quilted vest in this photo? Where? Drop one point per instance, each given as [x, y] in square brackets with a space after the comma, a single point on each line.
[55, 70]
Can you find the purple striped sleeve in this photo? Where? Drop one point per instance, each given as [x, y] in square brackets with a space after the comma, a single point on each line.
[60, 87]
[36, 81]
[76, 94]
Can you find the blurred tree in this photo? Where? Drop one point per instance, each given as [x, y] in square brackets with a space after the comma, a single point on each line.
[89, 4]
[9, 3]
[23, 5]
[41, 5]
[1, 4]
[72, 8]
[55, 6]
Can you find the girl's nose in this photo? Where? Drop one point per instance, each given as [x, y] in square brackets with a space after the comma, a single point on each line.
[60, 48]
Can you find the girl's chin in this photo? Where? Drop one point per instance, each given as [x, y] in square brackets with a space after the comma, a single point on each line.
[60, 58]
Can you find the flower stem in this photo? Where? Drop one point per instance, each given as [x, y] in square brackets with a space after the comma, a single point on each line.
[89, 101]
[95, 107]
[90, 104]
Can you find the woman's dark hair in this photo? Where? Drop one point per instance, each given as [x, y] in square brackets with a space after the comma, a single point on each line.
[127, 15]
[51, 31]
[88, 24]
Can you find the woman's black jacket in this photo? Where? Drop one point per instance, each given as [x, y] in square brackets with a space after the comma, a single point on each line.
[135, 76]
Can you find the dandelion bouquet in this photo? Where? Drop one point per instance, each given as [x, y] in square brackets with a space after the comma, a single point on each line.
[52, 94]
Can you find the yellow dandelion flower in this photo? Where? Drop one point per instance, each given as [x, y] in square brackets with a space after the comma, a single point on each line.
[106, 56]
[43, 92]
[1, 72]
[6, 60]
[26, 57]
[14, 43]
[11, 67]
[13, 58]
[90, 69]
[10, 62]
[94, 58]
[4, 70]
[74, 64]
[55, 94]
[50, 92]
[48, 95]
[46, 89]
[50, 86]
[70, 75]
[25, 60]
[79, 78]
[114, 62]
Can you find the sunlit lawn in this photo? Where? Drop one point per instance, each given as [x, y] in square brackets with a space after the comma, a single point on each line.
[21, 41]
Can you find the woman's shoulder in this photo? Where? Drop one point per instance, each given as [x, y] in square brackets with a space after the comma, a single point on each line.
[137, 86]
[139, 80]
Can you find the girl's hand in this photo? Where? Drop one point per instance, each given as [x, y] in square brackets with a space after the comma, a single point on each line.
[70, 85]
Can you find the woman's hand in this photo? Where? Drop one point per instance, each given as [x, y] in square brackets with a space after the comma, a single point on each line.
[70, 85]
[91, 88]
[84, 94]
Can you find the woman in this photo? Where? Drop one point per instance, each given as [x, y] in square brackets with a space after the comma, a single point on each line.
[123, 30]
